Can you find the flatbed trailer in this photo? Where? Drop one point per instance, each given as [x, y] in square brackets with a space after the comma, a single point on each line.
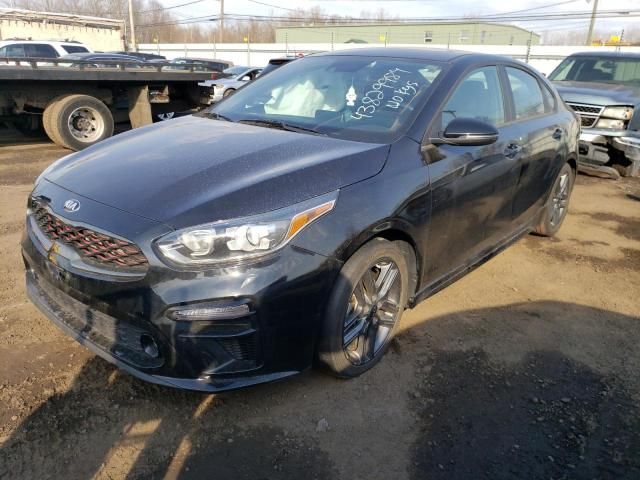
[78, 102]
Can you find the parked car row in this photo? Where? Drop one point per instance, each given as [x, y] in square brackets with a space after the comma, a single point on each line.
[237, 77]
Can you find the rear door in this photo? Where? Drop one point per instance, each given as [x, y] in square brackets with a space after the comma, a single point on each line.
[543, 133]
[40, 50]
[472, 186]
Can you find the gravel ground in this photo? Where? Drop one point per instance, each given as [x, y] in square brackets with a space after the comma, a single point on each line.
[526, 368]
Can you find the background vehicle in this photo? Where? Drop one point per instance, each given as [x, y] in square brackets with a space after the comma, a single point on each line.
[79, 105]
[143, 56]
[272, 231]
[200, 64]
[275, 63]
[604, 90]
[40, 48]
[104, 60]
[234, 78]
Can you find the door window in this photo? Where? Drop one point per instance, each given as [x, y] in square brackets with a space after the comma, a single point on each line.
[74, 49]
[40, 50]
[16, 50]
[527, 96]
[478, 96]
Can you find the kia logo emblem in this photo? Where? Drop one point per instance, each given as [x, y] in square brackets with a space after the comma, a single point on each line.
[72, 205]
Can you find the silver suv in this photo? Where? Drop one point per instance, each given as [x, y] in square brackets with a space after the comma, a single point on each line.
[40, 48]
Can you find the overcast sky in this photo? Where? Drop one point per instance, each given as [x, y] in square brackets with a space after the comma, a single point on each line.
[423, 8]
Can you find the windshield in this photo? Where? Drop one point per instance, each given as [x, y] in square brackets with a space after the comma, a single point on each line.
[594, 69]
[365, 99]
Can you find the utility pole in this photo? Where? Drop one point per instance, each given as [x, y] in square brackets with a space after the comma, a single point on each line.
[132, 28]
[221, 21]
[593, 22]
[620, 41]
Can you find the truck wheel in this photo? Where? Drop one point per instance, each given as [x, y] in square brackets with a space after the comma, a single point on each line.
[79, 121]
[365, 307]
[47, 120]
[557, 203]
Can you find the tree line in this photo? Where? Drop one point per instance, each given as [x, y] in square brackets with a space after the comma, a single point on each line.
[155, 23]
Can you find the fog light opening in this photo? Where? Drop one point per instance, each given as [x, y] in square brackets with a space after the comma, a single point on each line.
[149, 346]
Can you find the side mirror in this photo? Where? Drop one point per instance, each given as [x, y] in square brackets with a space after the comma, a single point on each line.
[468, 132]
[246, 78]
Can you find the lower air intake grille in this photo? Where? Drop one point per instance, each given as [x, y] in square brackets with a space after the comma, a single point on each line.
[240, 348]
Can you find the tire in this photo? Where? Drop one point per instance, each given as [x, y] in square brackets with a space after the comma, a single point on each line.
[623, 170]
[557, 204]
[47, 120]
[91, 118]
[228, 91]
[348, 358]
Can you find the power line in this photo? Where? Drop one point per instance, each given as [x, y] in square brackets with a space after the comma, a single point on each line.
[562, 16]
[274, 6]
[171, 7]
[541, 7]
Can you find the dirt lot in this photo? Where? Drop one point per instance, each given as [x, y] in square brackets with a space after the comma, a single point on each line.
[526, 368]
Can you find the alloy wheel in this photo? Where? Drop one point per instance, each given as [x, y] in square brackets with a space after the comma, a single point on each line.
[372, 312]
[560, 199]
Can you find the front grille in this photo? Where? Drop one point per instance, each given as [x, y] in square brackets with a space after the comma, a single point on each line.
[589, 114]
[588, 122]
[91, 245]
[592, 109]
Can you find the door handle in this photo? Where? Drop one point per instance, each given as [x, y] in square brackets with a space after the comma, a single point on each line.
[512, 150]
[557, 134]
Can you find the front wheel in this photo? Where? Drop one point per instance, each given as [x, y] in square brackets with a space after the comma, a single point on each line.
[365, 307]
[558, 203]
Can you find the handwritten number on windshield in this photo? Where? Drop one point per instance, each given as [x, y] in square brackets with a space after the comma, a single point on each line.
[376, 95]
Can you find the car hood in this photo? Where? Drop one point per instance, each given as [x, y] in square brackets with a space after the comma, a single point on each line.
[598, 93]
[194, 170]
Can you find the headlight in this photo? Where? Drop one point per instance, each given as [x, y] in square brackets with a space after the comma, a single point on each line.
[609, 123]
[621, 113]
[241, 239]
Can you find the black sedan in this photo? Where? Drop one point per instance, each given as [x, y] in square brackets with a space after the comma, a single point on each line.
[294, 222]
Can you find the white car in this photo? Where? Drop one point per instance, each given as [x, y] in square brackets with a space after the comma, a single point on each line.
[237, 77]
[40, 48]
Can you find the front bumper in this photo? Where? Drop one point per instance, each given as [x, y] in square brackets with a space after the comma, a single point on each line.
[595, 147]
[127, 321]
[216, 96]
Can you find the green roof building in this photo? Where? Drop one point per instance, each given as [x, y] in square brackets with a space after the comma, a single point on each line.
[462, 33]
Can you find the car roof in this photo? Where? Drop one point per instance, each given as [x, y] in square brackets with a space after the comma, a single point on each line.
[607, 54]
[98, 56]
[438, 55]
[51, 42]
[211, 60]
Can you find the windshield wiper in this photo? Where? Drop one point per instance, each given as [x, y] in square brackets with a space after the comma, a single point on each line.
[281, 125]
[219, 116]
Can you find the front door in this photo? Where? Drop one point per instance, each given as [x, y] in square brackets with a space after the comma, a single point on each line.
[472, 186]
